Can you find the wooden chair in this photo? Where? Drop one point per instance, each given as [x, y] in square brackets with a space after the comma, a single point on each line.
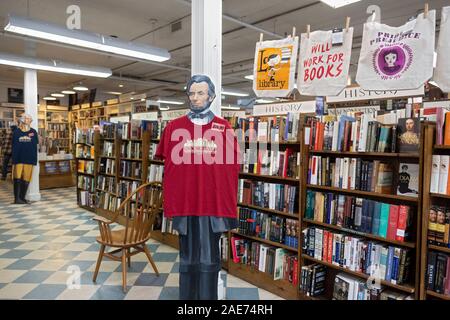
[137, 214]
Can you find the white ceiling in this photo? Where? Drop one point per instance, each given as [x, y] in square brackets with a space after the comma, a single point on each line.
[149, 21]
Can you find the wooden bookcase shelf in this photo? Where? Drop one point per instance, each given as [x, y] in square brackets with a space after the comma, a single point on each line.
[362, 234]
[268, 178]
[365, 194]
[271, 243]
[166, 238]
[365, 154]
[280, 213]
[404, 288]
[430, 199]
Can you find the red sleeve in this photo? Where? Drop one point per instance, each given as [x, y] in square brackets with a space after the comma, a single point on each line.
[163, 145]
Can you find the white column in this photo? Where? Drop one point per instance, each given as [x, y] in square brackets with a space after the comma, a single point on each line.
[30, 101]
[206, 52]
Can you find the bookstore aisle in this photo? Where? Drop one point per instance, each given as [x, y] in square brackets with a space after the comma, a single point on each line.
[43, 245]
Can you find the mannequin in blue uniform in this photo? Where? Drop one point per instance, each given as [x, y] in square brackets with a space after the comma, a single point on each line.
[199, 269]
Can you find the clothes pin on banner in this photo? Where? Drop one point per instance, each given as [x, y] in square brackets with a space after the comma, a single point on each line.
[261, 37]
[293, 32]
[308, 30]
[425, 11]
[347, 24]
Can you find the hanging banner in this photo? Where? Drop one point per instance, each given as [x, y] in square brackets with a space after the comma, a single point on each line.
[323, 67]
[442, 71]
[275, 65]
[397, 58]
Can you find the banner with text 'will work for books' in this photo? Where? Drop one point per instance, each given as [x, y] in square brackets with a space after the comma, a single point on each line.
[397, 57]
[442, 71]
[323, 67]
[275, 65]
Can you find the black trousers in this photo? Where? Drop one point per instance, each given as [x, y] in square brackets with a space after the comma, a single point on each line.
[6, 159]
[199, 260]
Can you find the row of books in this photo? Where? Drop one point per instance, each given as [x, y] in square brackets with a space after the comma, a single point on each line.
[438, 272]
[363, 132]
[351, 174]
[155, 173]
[273, 196]
[107, 166]
[57, 126]
[440, 171]
[84, 136]
[108, 201]
[125, 188]
[131, 169]
[131, 149]
[313, 280]
[135, 128]
[109, 130]
[224, 248]
[383, 262]
[443, 127]
[152, 150]
[106, 183]
[87, 199]
[57, 134]
[83, 151]
[277, 262]
[269, 227]
[164, 225]
[385, 220]
[85, 166]
[86, 183]
[348, 287]
[272, 163]
[439, 226]
[108, 149]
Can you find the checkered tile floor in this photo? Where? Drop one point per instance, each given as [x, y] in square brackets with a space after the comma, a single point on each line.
[44, 246]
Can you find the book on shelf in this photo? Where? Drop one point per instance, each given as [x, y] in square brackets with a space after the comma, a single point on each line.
[440, 171]
[106, 183]
[108, 201]
[125, 188]
[86, 183]
[83, 151]
[393, 222]
[107, 166]
[408, 134]
[273, 196]
[155, 173]
[443, 127]
[439, 226]
[224, 248]
[350, 174]
[348, 287]
[268, 227]
[108, 149]
[131, 149]
[438, 273]
[130, 169]
[272, 163]
[84, 136]
[87, 199]
[85, 166]
[356, 254]
[408, 180]
[352, 132]
[313, 280]
[277, 262]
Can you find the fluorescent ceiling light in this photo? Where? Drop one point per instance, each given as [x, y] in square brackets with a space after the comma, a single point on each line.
[49, 98]
[164, 108]
[142, 99]
[170, 101]
[53, 65]
[80, 88]
[249, 77]
[264, 100]
[54, 32]
[68, 92]
[338, 3]
[58, 95]
[116, 93]
[230, 108]
[234, 92]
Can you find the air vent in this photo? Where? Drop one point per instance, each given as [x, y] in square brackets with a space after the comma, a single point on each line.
[176, 26]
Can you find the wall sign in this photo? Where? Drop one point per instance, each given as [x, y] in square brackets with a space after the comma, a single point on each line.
[358, 93]
[284, 108]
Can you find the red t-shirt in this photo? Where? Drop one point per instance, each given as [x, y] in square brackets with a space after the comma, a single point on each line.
[201, 168]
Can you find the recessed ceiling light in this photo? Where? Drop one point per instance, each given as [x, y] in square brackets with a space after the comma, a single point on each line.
[49, 98]
[68, 92]
[58, 95]
[338, 3]
[120, 85]
[80, 88]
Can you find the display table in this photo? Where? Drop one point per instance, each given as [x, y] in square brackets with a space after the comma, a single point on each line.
[55, 174]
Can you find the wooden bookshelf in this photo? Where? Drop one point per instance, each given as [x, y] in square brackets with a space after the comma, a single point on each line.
[437, 295]
[404, 288]
[430, 199]
[413, 245]
[268, 178]
[166, 238]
